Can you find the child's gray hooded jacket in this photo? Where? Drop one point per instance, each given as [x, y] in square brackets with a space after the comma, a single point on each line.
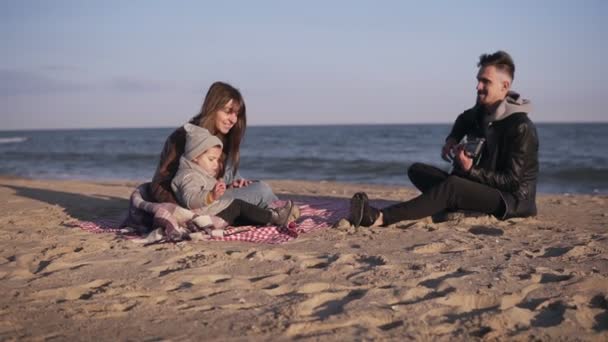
[191, 183]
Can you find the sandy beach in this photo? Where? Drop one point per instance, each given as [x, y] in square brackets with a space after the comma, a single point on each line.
[542, 278]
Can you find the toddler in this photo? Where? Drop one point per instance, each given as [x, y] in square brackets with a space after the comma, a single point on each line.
[196, 186]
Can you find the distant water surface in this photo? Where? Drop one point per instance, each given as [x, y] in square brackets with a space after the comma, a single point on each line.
[573, 157]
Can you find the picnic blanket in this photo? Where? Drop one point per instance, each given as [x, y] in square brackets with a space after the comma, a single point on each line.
[148, 222]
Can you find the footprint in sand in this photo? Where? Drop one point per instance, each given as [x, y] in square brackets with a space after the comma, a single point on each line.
[465, 302]
[189, 261]
[31, 266]
[433, 287]
[391, 325]
[418, 295]
[553, 252]
[518, 298]
[315, 288]
[600, 303]
[272, 284]
[372, 260]
[538, 277]
[554, 278]
[319, 262]
[551, 314]
[273, 255]
[324, 304]
[532, 303]
[486, 230]
[498, 314]
[193, 279]
[440, 277]
[363, 264]
[431, 248]
[588, 250]
[566, 251]
[83, 291]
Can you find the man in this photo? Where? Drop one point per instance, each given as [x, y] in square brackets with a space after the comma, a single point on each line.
[500, 180]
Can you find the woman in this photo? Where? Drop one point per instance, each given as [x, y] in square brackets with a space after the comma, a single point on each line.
[224, 115]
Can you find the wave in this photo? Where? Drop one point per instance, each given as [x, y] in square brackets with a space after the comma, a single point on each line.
[13, 140]
[79, 156]
[590, 175]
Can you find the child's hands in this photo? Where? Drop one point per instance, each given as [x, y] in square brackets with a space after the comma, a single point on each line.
[219, 189]
[241, 183]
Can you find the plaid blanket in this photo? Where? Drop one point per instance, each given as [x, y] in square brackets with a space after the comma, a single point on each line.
[147, 222]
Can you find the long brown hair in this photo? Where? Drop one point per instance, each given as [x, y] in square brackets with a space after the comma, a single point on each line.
[218, 95]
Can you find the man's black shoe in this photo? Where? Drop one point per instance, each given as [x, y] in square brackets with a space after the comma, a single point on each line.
[357, 205]
[361, 213]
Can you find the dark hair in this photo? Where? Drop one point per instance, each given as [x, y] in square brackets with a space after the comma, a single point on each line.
[499, 59]
[218, 95]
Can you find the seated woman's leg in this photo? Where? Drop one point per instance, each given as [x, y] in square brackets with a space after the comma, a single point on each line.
[425, 177]
[454, 193]
[257, 193]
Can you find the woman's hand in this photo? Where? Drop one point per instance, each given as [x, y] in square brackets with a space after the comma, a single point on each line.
[241, 183]
[219, 189]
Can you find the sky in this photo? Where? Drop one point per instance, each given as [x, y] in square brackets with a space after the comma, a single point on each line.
[104, 64]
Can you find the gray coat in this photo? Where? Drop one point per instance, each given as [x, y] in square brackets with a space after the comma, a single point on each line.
[192, 184]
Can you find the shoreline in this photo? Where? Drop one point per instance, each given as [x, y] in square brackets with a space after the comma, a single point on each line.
[544, 277]
[348, 186]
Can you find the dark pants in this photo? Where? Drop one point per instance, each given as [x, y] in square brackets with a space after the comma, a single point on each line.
[441, 191]
[241, 213]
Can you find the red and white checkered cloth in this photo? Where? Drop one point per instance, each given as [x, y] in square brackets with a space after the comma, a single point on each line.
[315, 214]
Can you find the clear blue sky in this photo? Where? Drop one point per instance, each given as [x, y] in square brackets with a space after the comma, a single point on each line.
[69, 64]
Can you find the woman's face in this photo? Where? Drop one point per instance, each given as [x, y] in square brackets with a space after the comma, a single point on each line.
[227, 116]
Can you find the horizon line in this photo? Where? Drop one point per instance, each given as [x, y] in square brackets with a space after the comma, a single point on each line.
[285, 125]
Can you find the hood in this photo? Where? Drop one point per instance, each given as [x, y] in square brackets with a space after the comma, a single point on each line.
[512, 104]
[198, 140]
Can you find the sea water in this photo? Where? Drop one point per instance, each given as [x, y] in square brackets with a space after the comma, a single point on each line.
[573, 157]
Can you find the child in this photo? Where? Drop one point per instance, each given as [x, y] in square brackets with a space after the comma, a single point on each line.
[195, 185]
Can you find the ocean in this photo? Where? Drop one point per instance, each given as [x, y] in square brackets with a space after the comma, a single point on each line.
[573, 157]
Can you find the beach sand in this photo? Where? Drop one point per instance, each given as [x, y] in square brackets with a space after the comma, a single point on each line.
[542, 278]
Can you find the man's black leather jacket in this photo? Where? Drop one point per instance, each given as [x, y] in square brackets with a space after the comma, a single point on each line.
[509, 161]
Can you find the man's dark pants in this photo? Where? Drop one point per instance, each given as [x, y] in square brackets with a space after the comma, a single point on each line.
[441, 191]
